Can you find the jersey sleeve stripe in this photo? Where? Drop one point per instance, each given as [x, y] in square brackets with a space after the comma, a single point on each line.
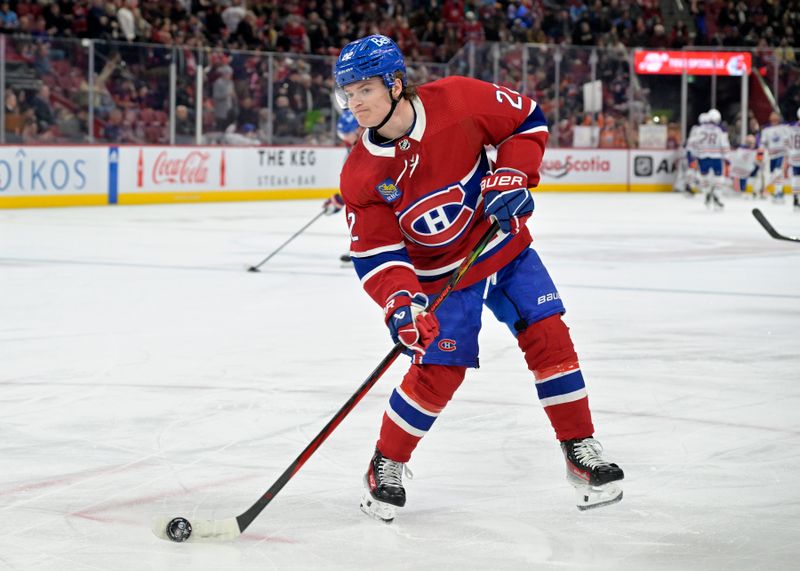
[535, 122]
[368, 275]
[381, 250]
[535, 119]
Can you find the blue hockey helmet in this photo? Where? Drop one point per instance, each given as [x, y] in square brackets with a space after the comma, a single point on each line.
[373, 56]
[347, 124]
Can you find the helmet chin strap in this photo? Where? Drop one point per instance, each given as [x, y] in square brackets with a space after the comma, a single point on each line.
[389, 114]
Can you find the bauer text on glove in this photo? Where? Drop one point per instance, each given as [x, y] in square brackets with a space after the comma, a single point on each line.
[507, 199]
[409, 323]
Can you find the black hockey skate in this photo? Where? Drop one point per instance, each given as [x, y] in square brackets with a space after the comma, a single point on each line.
[796, 202]
[384, 491]
[591, 476]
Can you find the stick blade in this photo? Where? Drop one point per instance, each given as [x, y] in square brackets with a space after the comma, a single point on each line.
[770, 228]
[202, 529]
[253, 269]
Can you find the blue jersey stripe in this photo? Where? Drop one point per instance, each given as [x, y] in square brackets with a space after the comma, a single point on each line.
[363, 266]
[561, 386]
[535, 119]
[411, 415]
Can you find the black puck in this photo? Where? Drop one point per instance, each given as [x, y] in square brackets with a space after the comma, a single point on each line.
[179, 529]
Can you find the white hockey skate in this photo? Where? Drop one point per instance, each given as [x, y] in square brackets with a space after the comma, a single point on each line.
[589, 497]
[592, 477]
[375, 508]
[383, 488]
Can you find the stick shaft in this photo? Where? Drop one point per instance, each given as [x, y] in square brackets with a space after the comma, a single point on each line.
[246, 518]
[293, 236]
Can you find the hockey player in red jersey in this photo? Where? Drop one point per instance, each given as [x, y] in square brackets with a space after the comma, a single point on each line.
[419, 192]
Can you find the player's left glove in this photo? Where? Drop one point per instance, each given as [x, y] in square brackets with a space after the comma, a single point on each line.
[507, 199]
[333, 204]
[409, 323]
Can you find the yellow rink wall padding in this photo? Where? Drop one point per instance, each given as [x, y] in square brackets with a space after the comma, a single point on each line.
[89, 175]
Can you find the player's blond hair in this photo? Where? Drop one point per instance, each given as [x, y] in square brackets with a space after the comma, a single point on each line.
[409, 90]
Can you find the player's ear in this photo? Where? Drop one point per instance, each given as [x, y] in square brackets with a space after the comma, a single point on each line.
[397, 88]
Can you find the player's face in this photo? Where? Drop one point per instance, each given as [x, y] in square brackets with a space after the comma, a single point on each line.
[368, 100]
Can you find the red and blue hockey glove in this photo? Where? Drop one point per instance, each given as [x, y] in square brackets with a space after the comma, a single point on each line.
[409, 323]
[507, 199]
[333, 204]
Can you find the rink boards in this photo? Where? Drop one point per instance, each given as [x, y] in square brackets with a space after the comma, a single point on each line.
[32, 176]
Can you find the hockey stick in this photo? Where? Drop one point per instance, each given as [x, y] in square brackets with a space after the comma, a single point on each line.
[180, 529]
[279, 248]
[770, 229]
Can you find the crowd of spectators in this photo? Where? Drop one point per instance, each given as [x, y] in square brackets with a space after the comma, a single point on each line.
[131, 89]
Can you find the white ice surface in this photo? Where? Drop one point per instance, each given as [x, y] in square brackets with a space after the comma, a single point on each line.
[143, 372]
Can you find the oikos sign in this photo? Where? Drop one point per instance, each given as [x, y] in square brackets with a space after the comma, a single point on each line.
[25, 171]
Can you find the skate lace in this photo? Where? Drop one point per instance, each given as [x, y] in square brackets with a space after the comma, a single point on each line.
[390, 473]
[588, 451]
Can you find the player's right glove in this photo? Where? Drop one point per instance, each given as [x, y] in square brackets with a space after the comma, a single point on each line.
[409, 323]
[507, 199]
[333, 204]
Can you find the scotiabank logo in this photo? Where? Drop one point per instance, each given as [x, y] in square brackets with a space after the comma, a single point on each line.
[176, 167]
[558, 168]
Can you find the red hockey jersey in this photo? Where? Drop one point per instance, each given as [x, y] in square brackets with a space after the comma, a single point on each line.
[414, 206]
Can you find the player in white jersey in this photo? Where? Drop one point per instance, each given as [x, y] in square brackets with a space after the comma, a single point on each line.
[688, 179]
[774, 139]
[794, 159]
[710, 144]
[745, 167]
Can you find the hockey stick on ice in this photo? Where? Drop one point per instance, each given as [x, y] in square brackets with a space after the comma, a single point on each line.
[279, 248]
[770, 229]
[179, 529]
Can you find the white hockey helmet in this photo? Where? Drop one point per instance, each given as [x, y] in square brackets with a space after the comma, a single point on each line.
[703, 118]
[798, 113]
[714, 116]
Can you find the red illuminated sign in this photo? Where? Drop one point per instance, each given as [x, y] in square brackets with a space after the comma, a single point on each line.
[695, 63]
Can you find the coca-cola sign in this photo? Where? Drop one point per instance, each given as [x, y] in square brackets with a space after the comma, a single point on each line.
[192, 168]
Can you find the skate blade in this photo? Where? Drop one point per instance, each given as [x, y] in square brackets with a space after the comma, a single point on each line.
[379, 510]
[592, 497]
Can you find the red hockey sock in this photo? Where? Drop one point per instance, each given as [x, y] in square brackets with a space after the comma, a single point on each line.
[551, 357]
[414, 406]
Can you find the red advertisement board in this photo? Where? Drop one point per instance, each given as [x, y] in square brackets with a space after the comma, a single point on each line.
[648, 62]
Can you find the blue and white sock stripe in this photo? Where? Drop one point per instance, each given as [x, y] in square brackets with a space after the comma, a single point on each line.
[409, 415]
[561, 388]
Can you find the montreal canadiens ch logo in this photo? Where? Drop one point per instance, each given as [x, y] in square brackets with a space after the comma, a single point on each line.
[447, 345]
[437, 219]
